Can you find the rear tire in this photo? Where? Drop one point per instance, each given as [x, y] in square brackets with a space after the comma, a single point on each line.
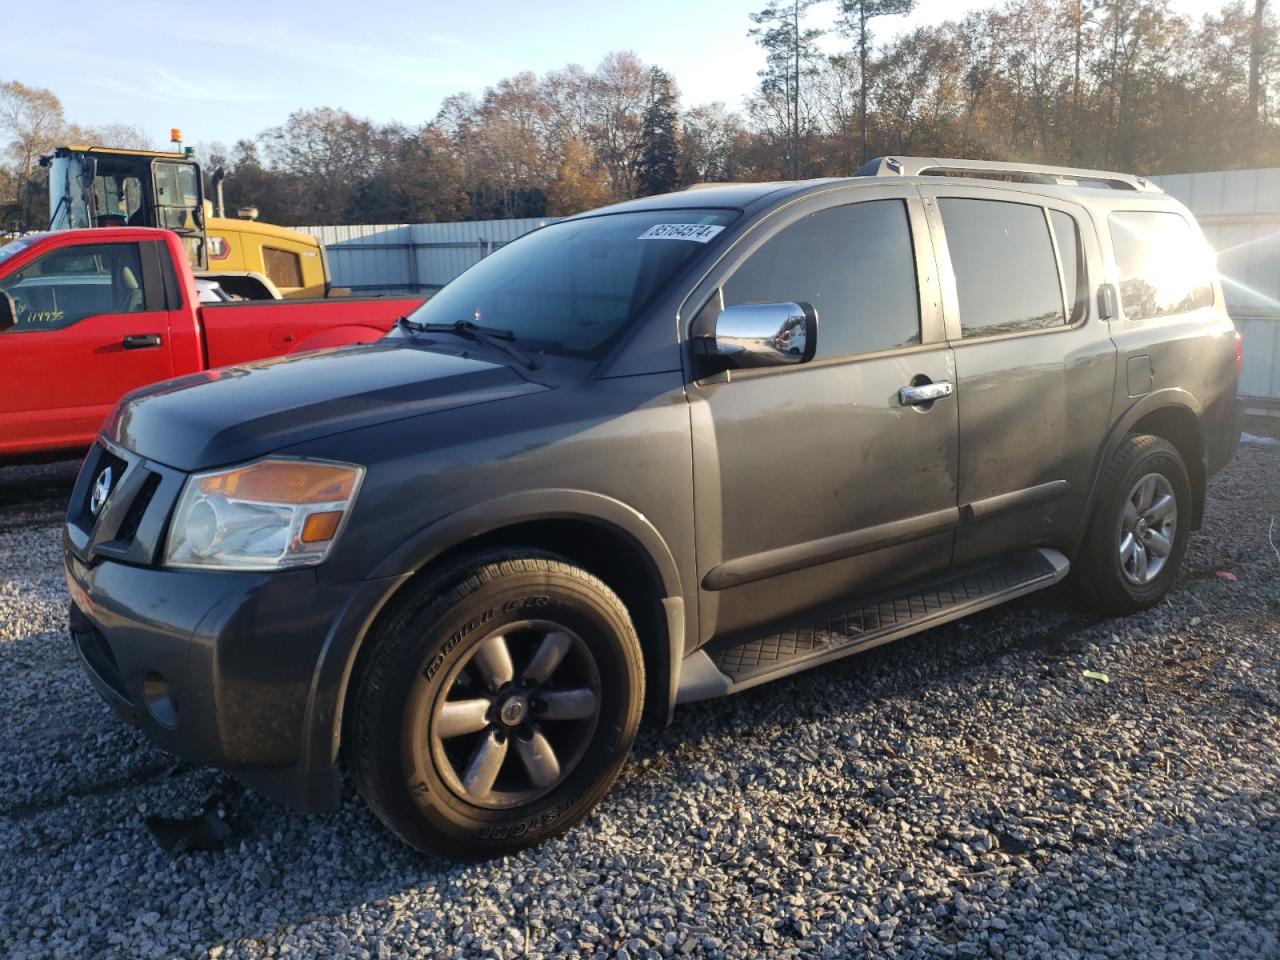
[496, 706]
[1138, 533]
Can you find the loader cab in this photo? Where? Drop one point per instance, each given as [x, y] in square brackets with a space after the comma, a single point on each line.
[99, 187]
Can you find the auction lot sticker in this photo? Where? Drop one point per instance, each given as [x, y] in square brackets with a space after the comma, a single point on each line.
[697, 232]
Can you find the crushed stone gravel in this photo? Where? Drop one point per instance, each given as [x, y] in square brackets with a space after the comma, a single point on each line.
[966, 792]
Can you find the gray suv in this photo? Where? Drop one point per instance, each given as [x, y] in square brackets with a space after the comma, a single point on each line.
[659, 452]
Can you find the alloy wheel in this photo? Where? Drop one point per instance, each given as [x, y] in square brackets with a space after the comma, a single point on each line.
[1148, 525]
[517, 714]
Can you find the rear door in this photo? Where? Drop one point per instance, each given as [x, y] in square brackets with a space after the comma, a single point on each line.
[1035, 366]
[91, 326]
[814, 483]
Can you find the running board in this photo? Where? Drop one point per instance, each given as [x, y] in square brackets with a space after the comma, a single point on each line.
[711, 673]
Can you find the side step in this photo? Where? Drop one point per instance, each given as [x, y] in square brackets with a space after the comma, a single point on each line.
[710, 673]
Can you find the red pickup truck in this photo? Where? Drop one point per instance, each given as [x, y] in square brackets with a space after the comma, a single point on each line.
[88, 315]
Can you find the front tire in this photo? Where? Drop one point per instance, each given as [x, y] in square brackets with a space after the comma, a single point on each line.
[496, 706]
[1138, 533]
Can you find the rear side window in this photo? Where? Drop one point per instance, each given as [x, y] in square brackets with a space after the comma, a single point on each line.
[1163, 267]
[284, 268]
[854, 264]
[1006, 272]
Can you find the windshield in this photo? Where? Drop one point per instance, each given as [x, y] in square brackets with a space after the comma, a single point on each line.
[15, 247]
[573, 287]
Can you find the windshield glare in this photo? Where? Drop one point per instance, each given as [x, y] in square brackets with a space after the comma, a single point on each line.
[573, 287]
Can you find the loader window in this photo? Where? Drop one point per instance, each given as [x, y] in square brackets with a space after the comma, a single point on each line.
[177, 196]
[117, 201]
[70, 284]
[284, 268]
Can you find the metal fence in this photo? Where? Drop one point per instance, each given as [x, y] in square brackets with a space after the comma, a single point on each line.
[1239, 211]
[412, 258]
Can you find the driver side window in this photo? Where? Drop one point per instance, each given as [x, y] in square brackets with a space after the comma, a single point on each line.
[855, 265]
[71, 283]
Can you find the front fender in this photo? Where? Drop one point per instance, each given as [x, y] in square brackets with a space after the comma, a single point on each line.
[556, 504]
[342, 646]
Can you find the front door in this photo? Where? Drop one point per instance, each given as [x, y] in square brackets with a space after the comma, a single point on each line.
[814, 483]
[86, 334]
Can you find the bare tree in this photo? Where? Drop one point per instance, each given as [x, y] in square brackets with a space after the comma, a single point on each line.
[790, 52]
[855, 19]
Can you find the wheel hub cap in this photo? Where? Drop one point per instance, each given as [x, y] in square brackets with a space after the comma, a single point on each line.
[1148, 525]
[515, 715]
[514, 710]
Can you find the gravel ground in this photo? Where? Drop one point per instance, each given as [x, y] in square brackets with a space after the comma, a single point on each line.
[967, 792]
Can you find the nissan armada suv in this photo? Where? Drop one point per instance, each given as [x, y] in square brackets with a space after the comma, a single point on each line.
[659, 452]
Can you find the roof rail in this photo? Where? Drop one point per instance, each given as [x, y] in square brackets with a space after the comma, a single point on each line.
[992, 169]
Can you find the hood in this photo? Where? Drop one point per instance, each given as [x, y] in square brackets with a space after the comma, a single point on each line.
[237, 413]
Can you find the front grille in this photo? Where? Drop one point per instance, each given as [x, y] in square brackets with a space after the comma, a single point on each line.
[128, 528]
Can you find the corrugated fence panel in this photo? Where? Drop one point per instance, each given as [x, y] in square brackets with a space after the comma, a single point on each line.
[418, 257]
[1239, 211]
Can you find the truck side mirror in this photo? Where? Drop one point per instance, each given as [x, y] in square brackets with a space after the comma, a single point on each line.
[8, 312]
[765, 334]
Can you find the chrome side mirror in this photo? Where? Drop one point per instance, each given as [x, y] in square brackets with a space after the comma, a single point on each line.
[765, 334]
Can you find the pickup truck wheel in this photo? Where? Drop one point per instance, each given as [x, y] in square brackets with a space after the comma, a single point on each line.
[1138, 534]
[496, 707]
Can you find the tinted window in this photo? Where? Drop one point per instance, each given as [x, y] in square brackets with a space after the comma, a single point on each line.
[71, 283]
[1164, 269]
[854, 264]
[572, 287]
[1067, 233]
[1006, 273]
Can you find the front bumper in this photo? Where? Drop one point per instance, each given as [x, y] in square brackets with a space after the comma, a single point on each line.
[241, 671]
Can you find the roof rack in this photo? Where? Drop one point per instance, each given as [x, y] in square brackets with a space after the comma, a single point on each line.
[990, 169]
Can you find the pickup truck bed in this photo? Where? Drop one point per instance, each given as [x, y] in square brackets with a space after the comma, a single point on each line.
[88, 315]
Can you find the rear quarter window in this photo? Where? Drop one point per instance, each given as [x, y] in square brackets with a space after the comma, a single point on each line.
[1164, 268]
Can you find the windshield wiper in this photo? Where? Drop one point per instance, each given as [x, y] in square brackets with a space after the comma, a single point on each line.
[468, 330]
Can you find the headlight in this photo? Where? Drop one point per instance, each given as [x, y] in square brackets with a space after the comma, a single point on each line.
[267, 515]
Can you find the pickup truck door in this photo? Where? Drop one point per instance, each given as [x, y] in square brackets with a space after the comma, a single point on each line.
[91, 326]
[1035, 367]
[816, 483]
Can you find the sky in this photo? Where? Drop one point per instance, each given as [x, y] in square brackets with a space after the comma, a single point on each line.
[227, 70]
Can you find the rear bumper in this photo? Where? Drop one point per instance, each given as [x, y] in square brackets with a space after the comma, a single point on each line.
[226, 669]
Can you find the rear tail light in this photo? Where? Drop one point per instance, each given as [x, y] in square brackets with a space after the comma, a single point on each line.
[1239, 352]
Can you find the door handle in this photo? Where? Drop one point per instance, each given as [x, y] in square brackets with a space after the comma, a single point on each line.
[924, 393]
[141, 341]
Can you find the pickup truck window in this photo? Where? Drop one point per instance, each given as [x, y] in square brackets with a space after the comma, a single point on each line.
[1163, 269]
[854, 264]
[68, 284]
[572, 288]
[1010, 241]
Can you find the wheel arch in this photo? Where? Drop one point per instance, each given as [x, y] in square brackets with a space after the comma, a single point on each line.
[601, 534]
[1174, 415]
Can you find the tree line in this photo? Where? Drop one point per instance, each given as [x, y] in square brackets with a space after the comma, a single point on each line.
[1116, 84]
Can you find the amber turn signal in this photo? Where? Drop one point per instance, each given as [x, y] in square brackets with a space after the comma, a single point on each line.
[320, 527]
